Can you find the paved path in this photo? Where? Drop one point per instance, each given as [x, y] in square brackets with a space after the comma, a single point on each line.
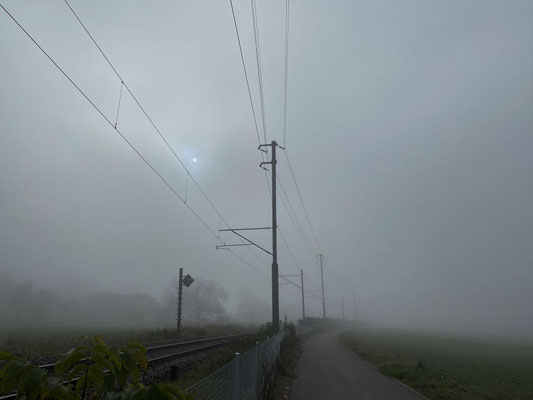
[330, 371]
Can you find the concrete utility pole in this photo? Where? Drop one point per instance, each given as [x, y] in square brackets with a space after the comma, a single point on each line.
[275, 277]
[320, 256]
[303, 291]
[354, 309]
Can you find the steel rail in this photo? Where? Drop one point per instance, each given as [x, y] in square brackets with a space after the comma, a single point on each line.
[220, 341]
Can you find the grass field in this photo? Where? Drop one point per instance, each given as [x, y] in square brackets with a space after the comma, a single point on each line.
[447, 367]
[39, 342]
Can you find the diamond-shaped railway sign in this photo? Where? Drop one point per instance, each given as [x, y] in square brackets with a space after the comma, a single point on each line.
[187, 280]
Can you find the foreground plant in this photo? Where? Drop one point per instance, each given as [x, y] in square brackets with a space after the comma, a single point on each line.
[93, 370]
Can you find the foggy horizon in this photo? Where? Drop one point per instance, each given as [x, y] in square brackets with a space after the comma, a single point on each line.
[409, 130]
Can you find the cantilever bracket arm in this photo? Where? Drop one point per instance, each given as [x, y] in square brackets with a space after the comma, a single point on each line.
[255, 244]
[289, 281]
[245, 238]
[224, 246]
[243, 229]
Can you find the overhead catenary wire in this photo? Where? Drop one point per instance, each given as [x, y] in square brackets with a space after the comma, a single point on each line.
[259, 69]
[136, 151]
[286, 78]
[246, 77]
[295, 181]
[189, 175]
[296, 263]
[145, 112]
[250, 97]
[294, 218]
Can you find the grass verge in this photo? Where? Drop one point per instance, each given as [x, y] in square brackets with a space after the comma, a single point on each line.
[286, 365]
[447, 368]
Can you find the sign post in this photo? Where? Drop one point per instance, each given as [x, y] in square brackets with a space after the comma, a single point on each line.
[186, 280]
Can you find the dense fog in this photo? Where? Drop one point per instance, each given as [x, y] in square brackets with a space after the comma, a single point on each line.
[409, 132]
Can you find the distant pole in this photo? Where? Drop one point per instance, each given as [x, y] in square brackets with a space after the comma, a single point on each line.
[354, 309]
[320, 256]
[342, 301]
[180, 291]
[302, 286]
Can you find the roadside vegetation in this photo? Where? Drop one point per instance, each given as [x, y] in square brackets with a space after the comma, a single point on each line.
[445, 367]
[92, 370]
[291, 351]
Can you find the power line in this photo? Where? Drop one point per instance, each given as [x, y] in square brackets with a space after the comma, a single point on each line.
[301, 199]
[107, 120]
[122, 135]
[297, 265]
[287, 21]
[248, 87]
[145, 113]
[258, 60]
[245, 71]
[157, 129]
[294, 218]
[259, 71]
[289, 249]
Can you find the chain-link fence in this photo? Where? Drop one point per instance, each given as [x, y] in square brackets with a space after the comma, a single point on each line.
[245, 377]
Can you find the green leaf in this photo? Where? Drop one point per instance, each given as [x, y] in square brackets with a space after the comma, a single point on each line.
[136, 345]
[12, 375]
[81, 384]
[122, 377]
[110, 354]
[109, 383]
[69, 358]
[76, 371]
[102, 361]
[5, 355]
[138, 353]
[33, 381]
[55, 390]
[131, 366]
[96, 377]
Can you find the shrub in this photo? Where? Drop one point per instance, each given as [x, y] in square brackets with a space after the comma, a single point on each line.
[93, 370]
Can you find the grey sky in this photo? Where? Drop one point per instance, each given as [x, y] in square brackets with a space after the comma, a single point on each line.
[410, 129]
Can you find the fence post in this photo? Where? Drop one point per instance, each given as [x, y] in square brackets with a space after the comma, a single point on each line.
[236, 383]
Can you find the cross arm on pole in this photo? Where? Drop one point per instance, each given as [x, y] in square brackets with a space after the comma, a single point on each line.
[289, 281]
[245, 238]
[243, 229]
[224, 246]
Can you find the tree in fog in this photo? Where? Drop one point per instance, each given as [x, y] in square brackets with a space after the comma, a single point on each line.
[204, 301]
[251, 309]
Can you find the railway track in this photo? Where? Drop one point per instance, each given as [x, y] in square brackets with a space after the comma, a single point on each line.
[170, 352]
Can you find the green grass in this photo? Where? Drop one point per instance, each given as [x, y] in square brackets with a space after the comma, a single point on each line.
[445, 367]
[37, 342]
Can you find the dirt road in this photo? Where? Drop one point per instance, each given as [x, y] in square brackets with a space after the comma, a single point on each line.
[329, 371]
